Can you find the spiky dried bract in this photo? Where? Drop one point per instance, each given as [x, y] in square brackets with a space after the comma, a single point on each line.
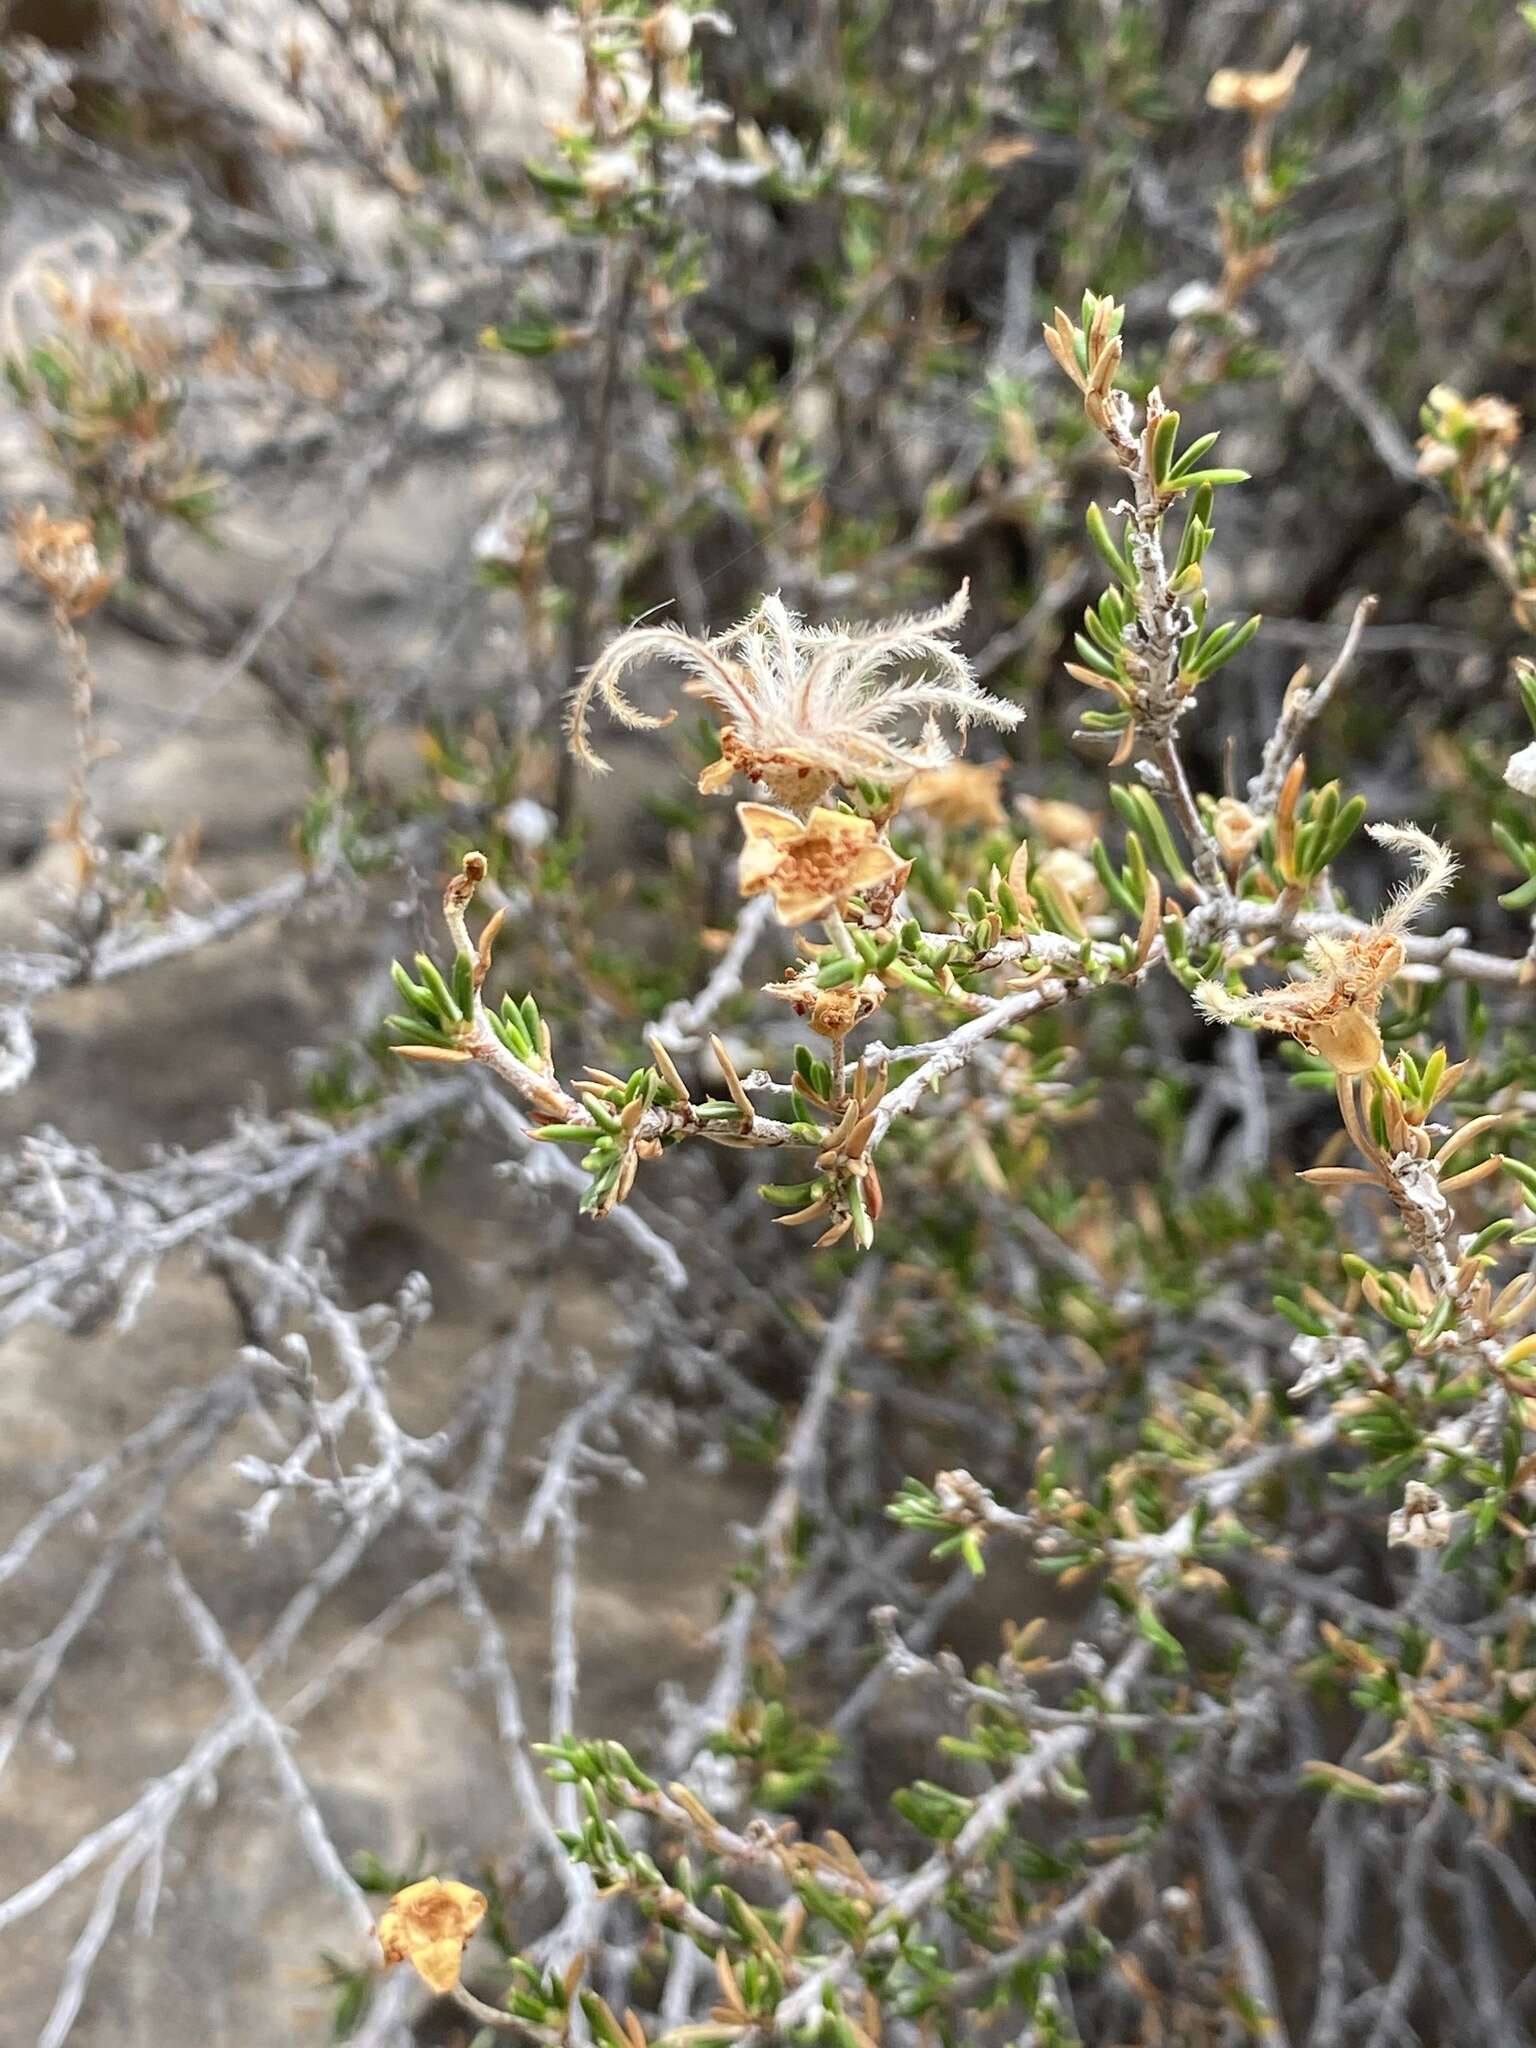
[428, 1925]
[807, 707]
[1332, 1010]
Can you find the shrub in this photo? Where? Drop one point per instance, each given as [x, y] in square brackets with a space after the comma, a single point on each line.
[1125, 1344]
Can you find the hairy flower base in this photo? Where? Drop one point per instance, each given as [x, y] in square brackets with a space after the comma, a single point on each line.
[830, 1012]
[789, 777]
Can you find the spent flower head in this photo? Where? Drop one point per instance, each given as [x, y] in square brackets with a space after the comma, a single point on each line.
[1467, 446]
[428, 1925]
[810, 866]
[1423, 1522]
[60, 554]
[807, 707]
[965, 793]
[1332, 1010]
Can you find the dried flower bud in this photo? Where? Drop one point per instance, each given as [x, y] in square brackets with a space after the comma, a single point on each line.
[832, 1012]
[1074, 877]
[1520, 770]
[1260, 93]
[836, 1010]
[1236, 830]
[669, 33]
[610, 174]
[1423, 1522]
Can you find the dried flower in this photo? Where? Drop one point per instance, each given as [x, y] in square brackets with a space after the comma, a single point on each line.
[1236, 830]
[831, 1012]
[1074, 876]
[1467, 437]
[1061, 824]
[810, 866]
[1454, 418]
[428, 1925]
[610, 174]
[1423, 1522]
[668, 33]
[1333, 1010]
[1520, 770]
[807, 706]
[964, 793]
[1260, 93]
[60, 554]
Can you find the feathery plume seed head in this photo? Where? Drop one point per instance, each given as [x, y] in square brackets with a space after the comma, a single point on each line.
[806, 707]
[1332, 1009]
